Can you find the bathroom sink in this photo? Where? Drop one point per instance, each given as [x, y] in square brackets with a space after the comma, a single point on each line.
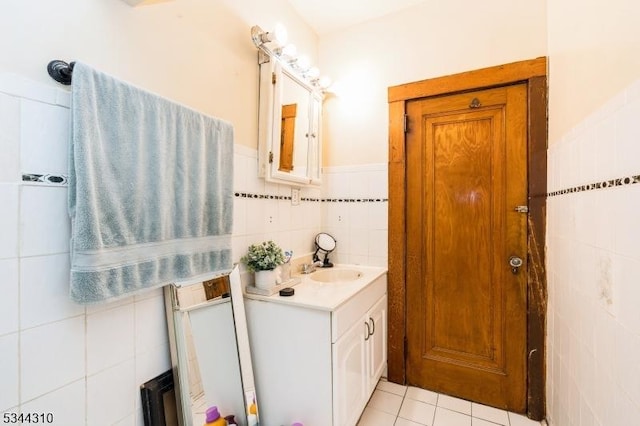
[336, 275]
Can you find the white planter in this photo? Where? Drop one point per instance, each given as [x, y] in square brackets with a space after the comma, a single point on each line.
[265, 279]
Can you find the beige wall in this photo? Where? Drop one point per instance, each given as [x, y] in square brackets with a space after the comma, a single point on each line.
[428, 40]
[196, 52]
[593, 55]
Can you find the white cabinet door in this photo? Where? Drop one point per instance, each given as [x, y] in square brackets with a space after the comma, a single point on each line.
[350, 380]
[377, 341]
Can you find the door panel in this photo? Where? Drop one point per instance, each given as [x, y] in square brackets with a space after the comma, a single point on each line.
[466, 310]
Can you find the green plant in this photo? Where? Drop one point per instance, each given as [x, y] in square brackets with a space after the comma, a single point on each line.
[263, 257]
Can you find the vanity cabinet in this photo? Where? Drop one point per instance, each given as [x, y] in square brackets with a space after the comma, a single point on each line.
[359, 358]
[318, 365]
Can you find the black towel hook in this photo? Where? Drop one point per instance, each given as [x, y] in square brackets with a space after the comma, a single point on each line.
[61, 71]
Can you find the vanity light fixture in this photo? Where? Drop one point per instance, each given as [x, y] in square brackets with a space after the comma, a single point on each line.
[274, 43]
[287, 52]
[279, 35]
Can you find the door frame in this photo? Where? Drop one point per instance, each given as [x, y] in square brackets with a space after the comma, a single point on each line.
[534, 74]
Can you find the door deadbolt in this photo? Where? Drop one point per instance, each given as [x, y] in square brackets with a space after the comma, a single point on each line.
[515, 262]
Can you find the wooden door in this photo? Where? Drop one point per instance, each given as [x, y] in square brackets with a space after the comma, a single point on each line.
[466, 309]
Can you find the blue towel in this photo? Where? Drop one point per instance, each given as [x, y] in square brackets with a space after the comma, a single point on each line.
[150, 190]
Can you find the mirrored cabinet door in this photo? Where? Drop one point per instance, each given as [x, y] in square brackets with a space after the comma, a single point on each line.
[290, 119]
[315, 147]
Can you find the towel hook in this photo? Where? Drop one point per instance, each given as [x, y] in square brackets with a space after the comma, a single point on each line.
[61, 71]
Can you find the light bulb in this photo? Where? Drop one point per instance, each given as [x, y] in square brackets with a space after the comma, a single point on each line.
[280, 34]
[289, 51]
[303, 63]
[324, 82]
[313, 73]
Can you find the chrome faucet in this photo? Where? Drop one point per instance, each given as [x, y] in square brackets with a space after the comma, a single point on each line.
[308, 268]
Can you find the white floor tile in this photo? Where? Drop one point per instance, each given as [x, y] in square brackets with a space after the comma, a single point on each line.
[454, 404]
[446, 417]
[418, 412]
[373, 417]
[405, 422]
[422, 395]
[421, 407]
[519, 420]
[492, 414]
[392, 387]
[479, 422]
[385, 401]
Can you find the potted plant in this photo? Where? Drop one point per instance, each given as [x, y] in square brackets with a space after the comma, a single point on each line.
[262, 259]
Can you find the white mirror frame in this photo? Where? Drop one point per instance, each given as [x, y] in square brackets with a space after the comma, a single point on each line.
[272, 73]
[222, 334]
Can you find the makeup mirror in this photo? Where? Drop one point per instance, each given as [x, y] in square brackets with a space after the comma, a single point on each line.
[325, 244]
[210, 351]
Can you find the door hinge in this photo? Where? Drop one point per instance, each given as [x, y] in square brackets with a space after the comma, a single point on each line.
[270, 156]
[521, 209]
[273, 78]
[406, 123]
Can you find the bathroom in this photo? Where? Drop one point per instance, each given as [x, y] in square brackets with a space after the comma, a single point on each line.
[85, 364]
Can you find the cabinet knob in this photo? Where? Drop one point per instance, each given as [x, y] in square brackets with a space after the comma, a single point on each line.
[367, 333]
[373, 325]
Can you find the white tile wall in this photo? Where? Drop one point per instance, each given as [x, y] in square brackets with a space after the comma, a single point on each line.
[44, 290]
[49, 346]
[9, 195]
[62, 357]
[110, 338]
[9, 283]
[45, 226]
[51, 356]
[359, 227]
[255, 220]
[9, 138]
[593, 266]
[111, 394]
[67, 404]
[44, 130]
[9, 371]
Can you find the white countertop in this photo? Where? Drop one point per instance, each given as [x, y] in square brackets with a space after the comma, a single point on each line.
[326, 296]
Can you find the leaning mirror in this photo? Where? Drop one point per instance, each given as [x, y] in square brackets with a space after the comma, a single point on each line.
[290, 112]
[210, 351]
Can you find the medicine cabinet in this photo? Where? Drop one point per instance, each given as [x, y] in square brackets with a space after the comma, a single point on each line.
[290, 111]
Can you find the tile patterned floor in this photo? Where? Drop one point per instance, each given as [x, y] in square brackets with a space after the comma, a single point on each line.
[396, 405]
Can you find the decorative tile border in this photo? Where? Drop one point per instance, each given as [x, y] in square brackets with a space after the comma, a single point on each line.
[262, 196]
[57, 180]
[627, 180]
[310, 199]
[355, 200]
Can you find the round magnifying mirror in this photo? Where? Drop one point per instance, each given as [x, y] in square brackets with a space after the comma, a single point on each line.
[325, 242]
